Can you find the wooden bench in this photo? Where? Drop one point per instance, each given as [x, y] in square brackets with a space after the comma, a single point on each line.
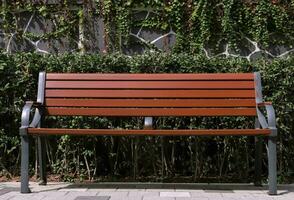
[148, 95]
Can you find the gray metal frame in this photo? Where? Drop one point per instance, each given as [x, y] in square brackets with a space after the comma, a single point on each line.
[25, 124]
[267, 123]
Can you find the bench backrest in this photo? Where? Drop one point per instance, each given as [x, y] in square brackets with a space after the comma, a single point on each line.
[230, 94]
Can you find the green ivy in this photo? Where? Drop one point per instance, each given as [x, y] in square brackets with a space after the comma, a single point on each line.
[196, 22]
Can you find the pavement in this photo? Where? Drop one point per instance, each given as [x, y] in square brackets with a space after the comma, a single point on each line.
[143, 191]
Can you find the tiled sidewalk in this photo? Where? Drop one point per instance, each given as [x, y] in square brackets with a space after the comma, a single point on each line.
[142, 191]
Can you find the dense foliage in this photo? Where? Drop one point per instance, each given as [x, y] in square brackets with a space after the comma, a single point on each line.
[152, 158]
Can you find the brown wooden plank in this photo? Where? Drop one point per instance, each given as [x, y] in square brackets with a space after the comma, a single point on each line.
[151, 84]
[119, 132]
[152, 111]
[150, 102]
[151, 93]
[160, 77]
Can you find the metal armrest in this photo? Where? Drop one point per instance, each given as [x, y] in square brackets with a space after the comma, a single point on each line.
[270, 123]
[25, 116]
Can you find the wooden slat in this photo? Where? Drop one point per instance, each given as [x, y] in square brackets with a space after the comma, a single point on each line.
[150, 102]
[212, 76]
[152, 111]
[151, 93]
[151, 84]
[210, 132]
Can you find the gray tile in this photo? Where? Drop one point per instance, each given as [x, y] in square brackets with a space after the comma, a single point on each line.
[131, 189]
[73, 195]
[120, 194]
[102, 190]
[126, 198]
[53, 195]
[175, 194]
[143, 193]
[6, 190]
[206, 194]
[192, 198]
[92, 198]
[73, 190]
[158, 198]
[219, 191]
[25, 197]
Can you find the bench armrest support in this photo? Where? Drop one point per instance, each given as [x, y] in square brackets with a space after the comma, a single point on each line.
[270, 123]
[148, 123]
[25, 116]
[261, 104]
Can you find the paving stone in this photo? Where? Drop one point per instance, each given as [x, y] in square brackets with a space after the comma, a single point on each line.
[73, 195]
[247, 198]
[202, 194]
[126, 198]
[48, 188]
[120, 194]
[102, 189]
[73, 190]
[143, 193]
[10, 195]
[53, 195]
[92, 198]
[209, 195]
[9, 184]
[192, 198]
[219, 191]
[175, 194]
[233, 196]
[87, 193]
[159, 198]
[7, 190]
[250, 191]
[262, 195]
[24, 197]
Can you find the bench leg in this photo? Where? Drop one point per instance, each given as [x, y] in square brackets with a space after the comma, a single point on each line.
[24, 188]
[272, 165]
[258, 156]
[258, 161]
[42, 160]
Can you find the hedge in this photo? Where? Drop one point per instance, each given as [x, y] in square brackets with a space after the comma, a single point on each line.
[145, 158]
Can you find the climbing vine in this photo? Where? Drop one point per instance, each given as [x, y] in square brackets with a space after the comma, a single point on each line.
[196, 24]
